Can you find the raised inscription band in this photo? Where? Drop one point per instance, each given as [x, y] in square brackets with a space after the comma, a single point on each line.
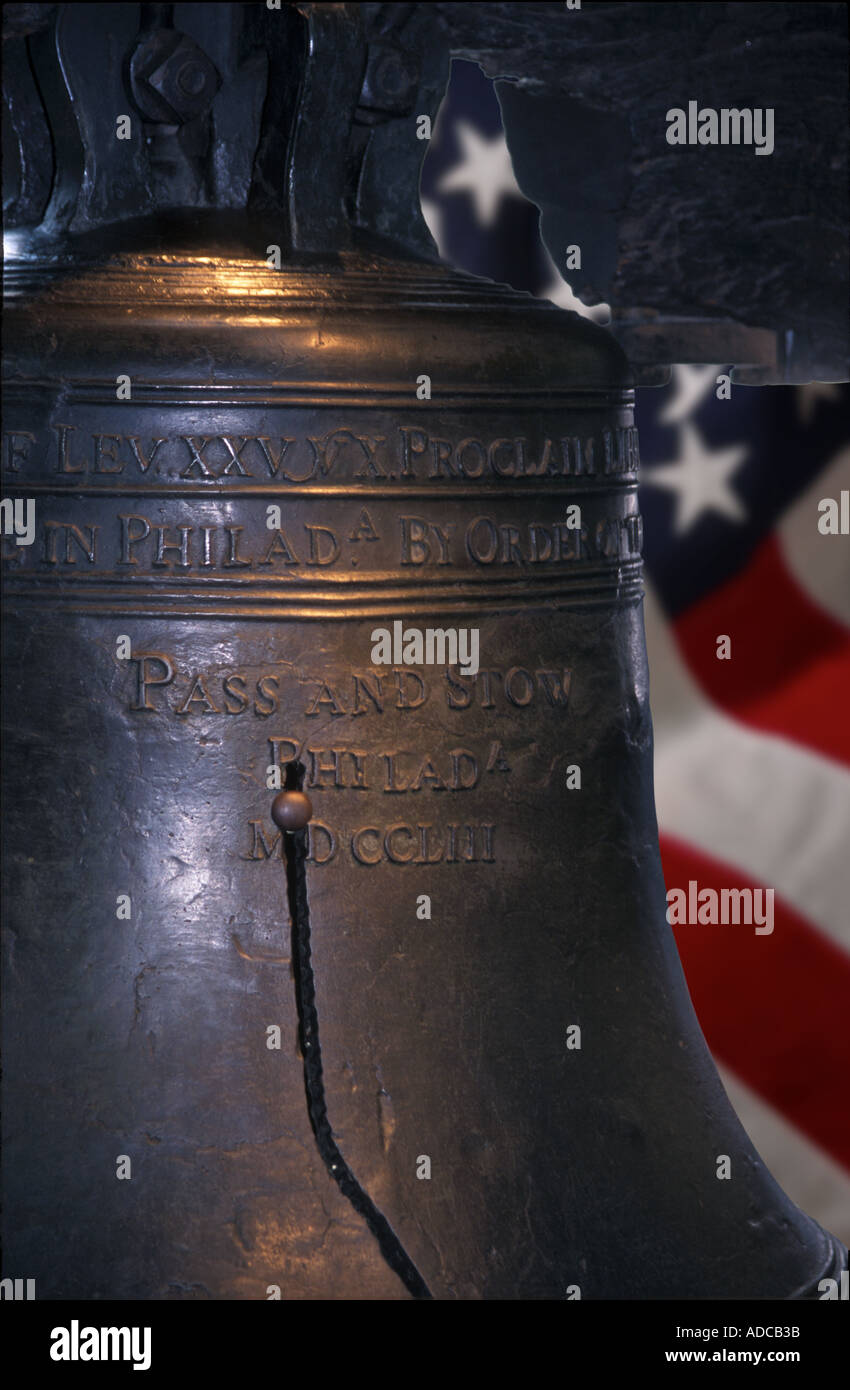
[282, 516]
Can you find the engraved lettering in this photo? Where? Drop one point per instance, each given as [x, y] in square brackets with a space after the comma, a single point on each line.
[496, 759]
[391, 784]
[556, 687]
[486, 685]
[234, 560]
[413, 442]
[182, 546]
[235, 447]
[273, 463]
[405, 679]
[442, 538]
[198, 695]
[279, 545]
[260, 847]
[238, 695]
[458, 695]
[138, 453]
[425, 856]
[471, 452]
[395, 856]
[88, 545]
[129, 539]
[443, 461]
[269, 698]
[415, 549]
[362, 853]
[570, 543]
[519, 687]
[101, 452]
[317, 832]
[464, 770]
[64, 464]
[427, 773]
[371, 687]
[229, 458]
[538, 536]
[482, 540]
[503, 469]
[318, 556]
[607, 538]
[370, 467]
[284, 750]
[424, 843]
[14, 451]
[365, 530]
[147, 677]
[351, 774]
[196, 448]
[510, 553]
[325, 696]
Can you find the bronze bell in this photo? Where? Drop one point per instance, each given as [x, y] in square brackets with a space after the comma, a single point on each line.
[317, 516]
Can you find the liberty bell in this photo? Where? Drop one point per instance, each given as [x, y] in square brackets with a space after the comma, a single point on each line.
[337, 952]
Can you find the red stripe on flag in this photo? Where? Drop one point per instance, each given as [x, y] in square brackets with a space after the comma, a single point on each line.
[773, 1008]
[789, 671]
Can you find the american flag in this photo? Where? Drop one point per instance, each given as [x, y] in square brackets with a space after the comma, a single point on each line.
[751, 754]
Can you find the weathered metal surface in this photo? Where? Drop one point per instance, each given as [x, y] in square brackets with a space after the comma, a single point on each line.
[139, 768]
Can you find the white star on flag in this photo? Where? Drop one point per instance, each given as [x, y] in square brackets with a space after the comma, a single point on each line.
[485, 170]
[700, 479]
[692, 384]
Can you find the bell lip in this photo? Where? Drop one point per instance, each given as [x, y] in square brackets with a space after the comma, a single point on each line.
[835, 1264]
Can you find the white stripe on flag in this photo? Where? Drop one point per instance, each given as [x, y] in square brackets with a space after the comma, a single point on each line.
[777, 811]
[820, 564]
